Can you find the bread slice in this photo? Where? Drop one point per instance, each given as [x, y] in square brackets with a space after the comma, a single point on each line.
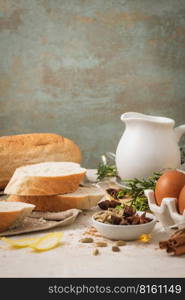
[33, 148]
[12, 214]
[84, 198]
[49, 178]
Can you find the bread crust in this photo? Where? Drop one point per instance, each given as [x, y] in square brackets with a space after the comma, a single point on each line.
[13, 217]
[26, 149]
[7, 219]
[37, 185]
[58, 203]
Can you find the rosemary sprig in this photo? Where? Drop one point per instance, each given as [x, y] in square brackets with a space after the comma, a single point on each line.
[140, 203]
[109, 170]
[135, 189]
[106, 171]
[137, 186]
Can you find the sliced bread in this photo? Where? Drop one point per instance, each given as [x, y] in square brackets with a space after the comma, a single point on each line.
[34, 148]
[12, 214]
[84, 198]
[49, 178]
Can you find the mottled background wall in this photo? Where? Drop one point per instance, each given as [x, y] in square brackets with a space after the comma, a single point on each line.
[73, 66]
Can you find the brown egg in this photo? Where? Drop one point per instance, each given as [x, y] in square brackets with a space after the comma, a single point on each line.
[169, 185]
[181, 201]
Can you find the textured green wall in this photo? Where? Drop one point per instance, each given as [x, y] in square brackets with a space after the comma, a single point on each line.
[73, 66]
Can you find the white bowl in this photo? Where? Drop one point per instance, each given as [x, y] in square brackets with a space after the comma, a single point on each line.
[124, 232]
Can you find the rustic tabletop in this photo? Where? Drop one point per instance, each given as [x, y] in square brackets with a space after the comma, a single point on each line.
[75, 259]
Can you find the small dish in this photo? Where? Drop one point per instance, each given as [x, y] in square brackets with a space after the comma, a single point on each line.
[124, 232]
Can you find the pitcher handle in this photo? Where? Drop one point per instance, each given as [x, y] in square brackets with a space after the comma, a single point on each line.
[179, 132]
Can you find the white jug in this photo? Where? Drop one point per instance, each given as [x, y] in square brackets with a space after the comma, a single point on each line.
[149, 144]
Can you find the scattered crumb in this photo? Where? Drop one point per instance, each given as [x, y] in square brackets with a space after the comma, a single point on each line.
[92, 231]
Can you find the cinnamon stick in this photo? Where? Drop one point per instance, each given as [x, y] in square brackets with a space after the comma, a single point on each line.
[175, 244]
[179, 250]
[177, 239]
[169, 249]
[163, 244]
[176, 250]
[177, 233]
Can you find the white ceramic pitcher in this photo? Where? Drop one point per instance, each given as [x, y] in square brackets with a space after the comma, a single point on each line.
[149, 144]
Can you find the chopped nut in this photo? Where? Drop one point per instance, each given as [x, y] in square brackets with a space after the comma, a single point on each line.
[115, 249]
[86, 240]
[119, 215]
[95, 252]
[101, 244]
[120, 243]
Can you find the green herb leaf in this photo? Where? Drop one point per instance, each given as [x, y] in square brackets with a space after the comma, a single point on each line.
[106, 171]
[119, 207]
[121, 193]
[134, 187]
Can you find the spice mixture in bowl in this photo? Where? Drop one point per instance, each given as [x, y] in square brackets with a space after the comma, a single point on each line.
[120, 215]
[123, 223]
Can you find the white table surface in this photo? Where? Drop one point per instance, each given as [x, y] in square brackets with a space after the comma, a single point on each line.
[74, 259]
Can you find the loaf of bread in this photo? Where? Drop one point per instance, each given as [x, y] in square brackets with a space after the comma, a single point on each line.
[25, 149]
[12, 214]
[84, 198]
[48, 178]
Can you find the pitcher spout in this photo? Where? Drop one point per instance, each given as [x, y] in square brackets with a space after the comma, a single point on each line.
[134, 116]
[131, 115]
